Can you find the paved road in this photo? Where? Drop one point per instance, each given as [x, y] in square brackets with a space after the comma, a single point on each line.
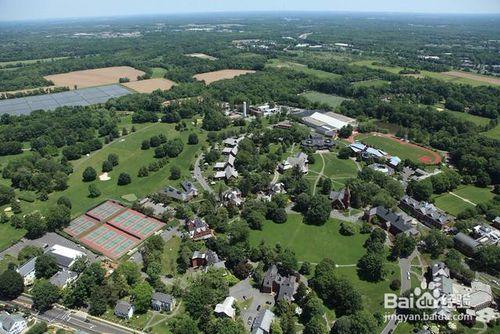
[71, 319]
[199, 177]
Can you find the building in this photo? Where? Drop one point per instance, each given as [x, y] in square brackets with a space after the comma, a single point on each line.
[277, 188]
[65, 257]
[286, 124]
[124, 309]
[496, 222]
[327, 123]
[232, 197]
[341, 200]
[393, 222]
[228, 173]
[162, 302]
[198, 229]
[27, 271]
[476, 297]
[486, 235]
[287, 288]
[272, 276]
[188, 192]
[394, 162]
[425, 212]
[381, 168]
[300, 160]
[284, 287]
[368, 152]
[264, 110]
[12, 323]
[226, 308]
[63, 278]
[465, 244]
[206, 258]
[317, 142]
[158, 208]
[262, 322]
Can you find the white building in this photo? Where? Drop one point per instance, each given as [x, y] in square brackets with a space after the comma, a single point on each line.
[12, 323]
[27, 271]
[65, 257]
[226, 308]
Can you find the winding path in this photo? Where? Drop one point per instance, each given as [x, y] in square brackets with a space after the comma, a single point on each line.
[320, 174]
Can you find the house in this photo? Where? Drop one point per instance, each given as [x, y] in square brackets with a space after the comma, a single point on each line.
[158, 208]
[496, 222]
[465, 244]
[206, 259]
[286, 124]
[230, 151]
[393, 222]
[277, 188]
[63, 278]
[300, 161]
[12, 323]
[198, 229]
[287, 289]
[65, 257]
[124, 309]
[317, 142]
[162, 302]
[231, 142]
[232, 197]
[188, 193]
[226, 308]
[440, 275]
[284, 287]
[228, 173]
[27, 271]
[272, 276]
[425, 212]
[262, 322]
[341, 200]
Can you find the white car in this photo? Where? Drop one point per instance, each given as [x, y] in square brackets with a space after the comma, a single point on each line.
[408, 274]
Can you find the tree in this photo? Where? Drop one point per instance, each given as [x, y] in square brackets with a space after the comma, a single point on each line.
[421, 191]
[6, 194]
[107, 166]
[35, 225]
[326, 186]
[302, 202]
[38, 328]
[124, 179]
[359, 323]
[313, 307]
[145, 145]
[183, 324]
[46, 266]
[371, 267]
[63, 200]
[344, 153]
[242, 270]
[316, 326]
[11, 284]
[57, 217]
[175, 173]
[403, 245]
[44, 295]
[28, 253]
[345, 131]
[94, 191]
[89, 174]
[114, 159]
[143, 172]
[305, 268]
[435, 243]
[395, 284]
[488, 259]
[130, 271]
[193, 139]
[99, 300]
[319, 210]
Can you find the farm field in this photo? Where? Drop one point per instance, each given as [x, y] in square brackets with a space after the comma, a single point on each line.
[331, 100]
[277, 63]
[474, 76]
[299, 237]
[478, 120]
[401, 149]
[201, 56]
[150, 85]
[95, 77]
[131, 159]
[451, 204]
[9, 235]
[158, 72]
[210, 77]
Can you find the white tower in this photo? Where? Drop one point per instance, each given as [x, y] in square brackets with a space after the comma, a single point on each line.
[244, 110]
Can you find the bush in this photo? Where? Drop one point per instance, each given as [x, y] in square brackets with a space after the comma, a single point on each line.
[89, 174]
[175, 173]
[395, 284]
[124, 179]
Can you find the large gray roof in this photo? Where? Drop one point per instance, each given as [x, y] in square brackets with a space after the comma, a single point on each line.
[27, 268]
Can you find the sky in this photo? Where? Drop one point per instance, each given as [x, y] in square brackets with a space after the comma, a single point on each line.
[12, 10]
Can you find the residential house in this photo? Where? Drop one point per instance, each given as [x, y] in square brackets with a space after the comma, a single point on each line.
[206, 258]
[286, 124]
[300, 161]
[124, 309]
[287, 288]
[284, 287]
[198, 229]
[425, 212]
[27, 271]
[262, 322]
[226, 308]
[393, 222]
[228, 173]
[496, 222]
[12, 323]
[465, 244]
[317, 142]
[272, 276]
[232, 197]
[188, 192]
[394, 161]
[63, 278]
[341, 200]
[162, 302]
[277, 188]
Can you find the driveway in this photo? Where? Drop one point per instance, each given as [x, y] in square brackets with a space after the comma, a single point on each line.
[244, 291]
[199, 177]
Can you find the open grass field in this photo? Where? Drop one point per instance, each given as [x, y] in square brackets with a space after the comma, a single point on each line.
[478, 120]
[451, 204]
[95, 77]
[131, 159]
[459, 77]
[493, 133]
[158, 72]
[312, 243]
[169, 256]
[210, 77]
[474, 194]
[401, 149]
[29, 61]
[9, 235]
[201, 56]
[370, 83]
[331, 100]
[278, 63]
[150, 85]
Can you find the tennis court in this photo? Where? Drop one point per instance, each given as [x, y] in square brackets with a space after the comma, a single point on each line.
[80, 225]
[136, 224]
[110, 241]
[105, 210]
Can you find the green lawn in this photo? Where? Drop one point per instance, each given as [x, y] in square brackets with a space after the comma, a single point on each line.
[493, 133]
[30, 61]
[312, 243]
[131, 159]
[169, 256]
[158, 72]
[393, 147]
[371, 83]
[9, 235]
[339, 168]
[451, 204]
[478, 120]
[474, 194]
[331, 100]
[278, 63]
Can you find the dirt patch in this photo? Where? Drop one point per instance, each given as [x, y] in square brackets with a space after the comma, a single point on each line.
[201, 56]
[95, 77]
[473, 76]
[150, 85]
[104, 177]
[210, 77]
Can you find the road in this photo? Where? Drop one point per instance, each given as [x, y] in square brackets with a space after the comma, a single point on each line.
[405, 267]
[199, 176]
[72, 319]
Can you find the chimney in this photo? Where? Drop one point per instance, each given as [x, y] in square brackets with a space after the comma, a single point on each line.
[244, 110]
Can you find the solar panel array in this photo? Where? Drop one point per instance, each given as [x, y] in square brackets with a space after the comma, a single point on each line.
[79, 97]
